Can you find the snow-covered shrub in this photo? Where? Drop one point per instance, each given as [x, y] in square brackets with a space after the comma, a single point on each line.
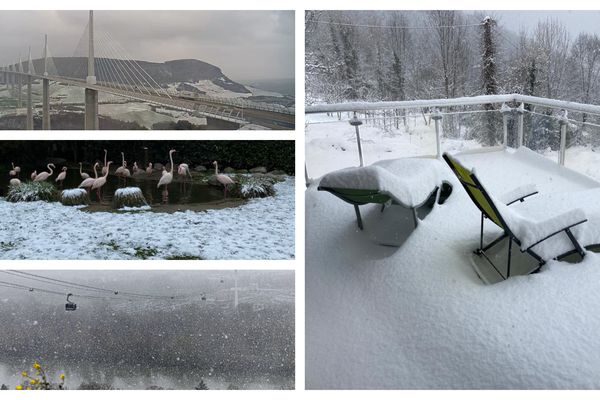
[74, 197]
[129, 197]
[253, 186]
[32, 191]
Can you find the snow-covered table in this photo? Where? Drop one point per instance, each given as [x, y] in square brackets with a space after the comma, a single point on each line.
[409, 182]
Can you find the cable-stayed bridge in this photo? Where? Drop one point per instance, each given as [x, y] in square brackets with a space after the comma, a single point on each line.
[110, 69]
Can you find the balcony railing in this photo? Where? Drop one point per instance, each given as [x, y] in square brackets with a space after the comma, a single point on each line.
[510, 106]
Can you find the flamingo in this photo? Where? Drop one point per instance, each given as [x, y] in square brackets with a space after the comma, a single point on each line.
[120, 172]
[149, 169]
[15, 171]
[104, 168]
[98, 183]
[166, 178]
[61, 177]
[33, 175]
[135, 167]
[83, 174]
[182, 171]
[88, 182]
[14, 182]
[42, 176]
[222, 178]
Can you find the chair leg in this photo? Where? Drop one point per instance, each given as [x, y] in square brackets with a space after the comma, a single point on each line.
[358, 218]
[415, 217]
[481, 233]
[509, 257]
[575, 243]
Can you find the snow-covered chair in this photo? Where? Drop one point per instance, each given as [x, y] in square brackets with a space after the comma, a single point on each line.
[553, 237]
[409, 182]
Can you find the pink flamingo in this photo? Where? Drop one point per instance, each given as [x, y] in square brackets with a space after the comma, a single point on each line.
[81, 173]
[61, 177]
[88, 182]
[33, 175]
[104, 168]
[121, 171]
[149, 169]
[166, 178]
[222, 178]
[98, 183]
[182, 171]
[15, 171]
[42, 176]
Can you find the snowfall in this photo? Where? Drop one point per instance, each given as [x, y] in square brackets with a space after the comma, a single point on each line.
[418, 316]
[259, 229]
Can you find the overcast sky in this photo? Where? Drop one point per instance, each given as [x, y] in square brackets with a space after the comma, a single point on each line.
[575, 21]
[246, 45]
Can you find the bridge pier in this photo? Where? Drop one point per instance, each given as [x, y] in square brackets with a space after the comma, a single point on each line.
[91, 109]
[45, 104]
[19, 91]
[29, 124]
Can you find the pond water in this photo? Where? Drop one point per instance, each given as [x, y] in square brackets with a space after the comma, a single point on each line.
[138, 377]
[180, 192]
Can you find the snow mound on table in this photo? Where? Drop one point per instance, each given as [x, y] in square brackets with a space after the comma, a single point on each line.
[72, 193]
[409, 181]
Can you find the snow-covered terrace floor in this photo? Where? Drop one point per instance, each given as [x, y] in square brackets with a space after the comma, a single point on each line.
[418, 316]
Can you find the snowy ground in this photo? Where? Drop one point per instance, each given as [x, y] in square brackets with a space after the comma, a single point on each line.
[331, 144]
[259, 229]
[418, 316]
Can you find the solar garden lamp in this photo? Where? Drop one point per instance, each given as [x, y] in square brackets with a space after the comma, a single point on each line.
[563, 121]
[355, 122]
[520, 112]
[437, 117]
[506, 111]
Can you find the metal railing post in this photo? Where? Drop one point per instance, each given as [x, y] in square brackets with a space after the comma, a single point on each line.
[437, 117]
[505, 110]
[563, 121]
[355, 122]
[521, 113]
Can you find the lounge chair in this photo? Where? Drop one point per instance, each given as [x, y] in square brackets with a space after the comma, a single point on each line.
[527, 234]
[412, 183]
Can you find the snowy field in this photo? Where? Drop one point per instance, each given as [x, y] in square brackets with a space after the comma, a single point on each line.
[259, 229]
[418, 316]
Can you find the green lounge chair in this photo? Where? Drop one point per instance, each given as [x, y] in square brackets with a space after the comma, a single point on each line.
[367, 187]
[491, 210]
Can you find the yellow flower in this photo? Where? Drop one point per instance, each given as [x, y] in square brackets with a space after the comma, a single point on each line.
[33, 382]
[62, 377]
[19, 387]
[37, 366]
[23, 374]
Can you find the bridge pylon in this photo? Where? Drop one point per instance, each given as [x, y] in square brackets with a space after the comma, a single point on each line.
[20, 84]
[91, 95]
[29, 121]
[45, 90]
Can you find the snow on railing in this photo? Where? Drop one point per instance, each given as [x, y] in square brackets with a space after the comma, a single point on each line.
[436, 115]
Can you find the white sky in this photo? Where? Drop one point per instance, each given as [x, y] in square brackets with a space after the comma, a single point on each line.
[575, 21]
[246, 45]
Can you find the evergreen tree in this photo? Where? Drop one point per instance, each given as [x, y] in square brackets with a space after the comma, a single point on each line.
[490, 84]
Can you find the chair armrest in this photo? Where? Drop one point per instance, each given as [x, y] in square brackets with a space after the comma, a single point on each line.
[536, 232]
[518, 194]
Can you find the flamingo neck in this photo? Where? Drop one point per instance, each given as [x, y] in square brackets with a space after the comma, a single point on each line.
[171, 158]
[105, 153]
[95, 171]
[216, 169]
[50, 168]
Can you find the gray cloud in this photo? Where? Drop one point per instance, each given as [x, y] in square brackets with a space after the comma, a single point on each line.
[244, 44]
